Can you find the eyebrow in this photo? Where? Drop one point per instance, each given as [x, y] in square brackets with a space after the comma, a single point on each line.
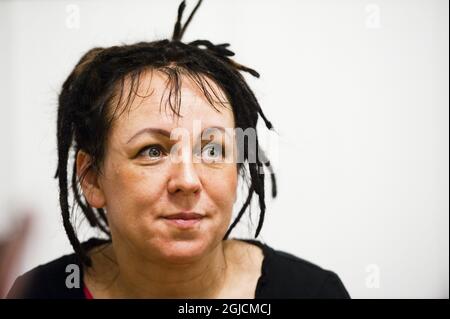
[165, 133]
[150, 130]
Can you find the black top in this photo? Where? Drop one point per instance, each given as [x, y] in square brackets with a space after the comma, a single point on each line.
[282, 276]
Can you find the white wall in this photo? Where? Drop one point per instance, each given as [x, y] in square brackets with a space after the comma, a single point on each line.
[358, 92]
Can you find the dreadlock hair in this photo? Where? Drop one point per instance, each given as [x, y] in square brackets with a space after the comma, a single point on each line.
[84, 110]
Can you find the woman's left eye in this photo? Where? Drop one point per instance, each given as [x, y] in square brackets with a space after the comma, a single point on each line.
[212, 152]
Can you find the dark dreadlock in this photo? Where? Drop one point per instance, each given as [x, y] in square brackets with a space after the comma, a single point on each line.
[84, 113]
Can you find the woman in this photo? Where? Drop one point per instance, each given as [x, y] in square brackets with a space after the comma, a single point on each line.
[157, 134]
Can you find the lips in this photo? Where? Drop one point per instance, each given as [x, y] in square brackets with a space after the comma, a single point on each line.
[184, 221]
[184, 216]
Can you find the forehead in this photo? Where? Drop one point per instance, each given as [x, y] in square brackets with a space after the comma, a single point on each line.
[166, 102]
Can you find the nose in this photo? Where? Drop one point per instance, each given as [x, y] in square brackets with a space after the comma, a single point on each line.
[184, 179]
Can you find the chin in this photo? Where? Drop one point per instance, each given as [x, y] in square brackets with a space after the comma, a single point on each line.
[181, 251]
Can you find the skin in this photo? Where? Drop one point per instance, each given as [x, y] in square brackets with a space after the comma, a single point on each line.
[149, 257]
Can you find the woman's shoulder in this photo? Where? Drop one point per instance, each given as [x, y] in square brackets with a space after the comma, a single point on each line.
[59, 278]
[284, 275]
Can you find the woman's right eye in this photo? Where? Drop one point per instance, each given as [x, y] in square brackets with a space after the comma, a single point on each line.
[153, 152]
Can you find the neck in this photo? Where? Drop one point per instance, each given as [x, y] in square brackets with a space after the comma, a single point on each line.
[138, 277]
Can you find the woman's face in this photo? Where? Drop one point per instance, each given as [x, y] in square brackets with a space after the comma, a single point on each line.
[142, 183]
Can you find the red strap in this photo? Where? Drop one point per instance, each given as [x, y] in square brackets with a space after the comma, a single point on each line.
[87, 293]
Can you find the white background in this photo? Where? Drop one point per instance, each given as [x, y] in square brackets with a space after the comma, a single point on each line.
[358, 93]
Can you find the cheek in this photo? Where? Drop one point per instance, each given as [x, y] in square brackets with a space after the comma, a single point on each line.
[221, 187]
[130, 190]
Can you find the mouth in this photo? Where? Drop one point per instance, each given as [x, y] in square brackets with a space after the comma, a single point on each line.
[184, 220]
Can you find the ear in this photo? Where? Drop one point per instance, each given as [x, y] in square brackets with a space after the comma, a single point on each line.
[89, 180]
